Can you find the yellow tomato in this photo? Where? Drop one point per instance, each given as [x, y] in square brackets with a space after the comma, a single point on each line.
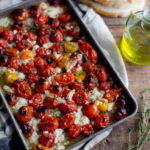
[39, 146]
[63, 61]
[102, 105]
[10, 76]
[71, 47]
[80, 75]
[27, 54]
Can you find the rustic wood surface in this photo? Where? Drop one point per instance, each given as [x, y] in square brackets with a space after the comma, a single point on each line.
[139, 78]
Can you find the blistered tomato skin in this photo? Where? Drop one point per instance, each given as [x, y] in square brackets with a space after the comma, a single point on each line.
[19, 25]
[11, 98]
[41, 19]
[47, 71]
[35, 11]
[14, 62]
[27, 68]
[102, 74]
[65, 93]
[32, 78]
[65, 18]
[19, 36]
[21, 14]
[53, 22]
[3, 43]
[27, 129]
[12, 52]
[56, 48]
[85, 47]
[39, 62]
[77, 86]
[51, 103]
[42, 40]
[56, 89]
[87, 129]
[57, 37]
[92, 55]
[121, 103]
[63, 61]
[35, 99]
[23, 44]
[105, 85]
[90, 67]
[44, 31]
[74, 131]
[41, 52]
[8, 35]
[30, 36]
[51, 60]
[120, 113]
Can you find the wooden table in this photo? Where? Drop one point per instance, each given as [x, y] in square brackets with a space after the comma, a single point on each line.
[139, 78]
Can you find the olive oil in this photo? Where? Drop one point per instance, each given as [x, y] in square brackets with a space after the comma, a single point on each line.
[135, 44]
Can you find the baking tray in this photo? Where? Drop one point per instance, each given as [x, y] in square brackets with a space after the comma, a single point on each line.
[131, 101]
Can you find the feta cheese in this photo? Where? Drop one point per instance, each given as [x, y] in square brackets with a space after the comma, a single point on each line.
[111, 106]
[21, 75]
[58, 70]
[47, 45]
[34, 138]
[70, 94]
[7, 89]
[3, 70]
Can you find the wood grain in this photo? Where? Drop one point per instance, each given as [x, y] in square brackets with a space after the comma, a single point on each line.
[139, 78]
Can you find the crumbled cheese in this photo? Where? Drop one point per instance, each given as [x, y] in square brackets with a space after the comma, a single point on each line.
[57, 55]
[70, 94]
[68, 38]
[11, 45]
[44, 5]
[8, 89]
[58, 70]
[21, 75]
[15, 31]
[6, 22]
[35, 122]
[34, 138]
[79, 68]
[70, 65]
[61, 100]
[55, 113]
[3, 70]
[47, 45]
[29, 22]
[111, 106]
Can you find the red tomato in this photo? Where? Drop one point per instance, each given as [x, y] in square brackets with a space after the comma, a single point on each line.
[64, 79]
[57, 37]
[55, 2]
[102, 74]
[51, 60]
[11, 98]
[27, 68]
[3, 60]
[121, 103]
[42, 85]
[51, 103]
[63, 29]
[47, 139]
[41, 111]
[111, 95]
[31, 36]
[41, 19]
[25, 113]
[65, 18]
[77, 86]
[42, 40]
[41, 52]
[90, 67]
[90, 81]
[48, 124]
[87, 129]
[105, 85]
[12, 52]
[74, 131]
[19, 36]
[73, 29]
[65, 93]
[47, 71]
[102, 121]
[35, 99]
[1, 30]
[68, 107]
[80, 97]
[120, 113]
[19, 25]
[66, 121]
[57, 48]
[32, 78]
[90, 110]
[85, 47]
[39, 62]
[35, 11]
[21, 14]
[56, 89]
[44, 31]
[54, 23]
[92, 55]
[14, 62]
[76, 56]
[23, 44]
[22, 89]
[3, 43]
[27, 129]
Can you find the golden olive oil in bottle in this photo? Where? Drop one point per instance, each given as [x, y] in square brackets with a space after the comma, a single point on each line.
[135, 44]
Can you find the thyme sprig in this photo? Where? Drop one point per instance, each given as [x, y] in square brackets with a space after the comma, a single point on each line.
[144, 127]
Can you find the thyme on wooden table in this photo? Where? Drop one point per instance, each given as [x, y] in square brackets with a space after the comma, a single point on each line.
[143, 135]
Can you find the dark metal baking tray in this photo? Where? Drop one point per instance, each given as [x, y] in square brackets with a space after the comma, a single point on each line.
[132, 102]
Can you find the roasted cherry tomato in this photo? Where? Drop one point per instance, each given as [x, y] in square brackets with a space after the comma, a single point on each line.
[40, 147]
[102, 74]
[41, 19]
[68, 107]
[27, 129]
[1, 30]
[63, 61]
[121, 103]
[87, 129]
[35, 99]
[22, 89]
[41, 52]
[10, 77]
[41, 111]
[3, 60]
[74, 131]
[56, 89]
[80, 75]
[66, 121]
[48, 124]
[64, 79]
[105, 85]
[51, 60]
[19, 25]
[65, 93]
[77, 57]
[3, 43]
[80, 97]
[14, 62]
[71, 47]
[47, 71]
[73, 29]
[21, 14]
[102, 105]
[90, 81]
[32, 78]
[27, 54]
[19, 36]
[85, 47]
[120, 113]
[39, 62]
[77, 86]
[65, 17]
[11, 52]
[11, 98]
[44, 31]
[112, 94]
[23, 44]
[55, 2]
[47, 139]
[63, 28]
[27, 68]
[92, 56]
[30, 36]
[35, 11]
[102, 121]
[90, 110]
[90, 67]
[42, 40]
[25, 113]
[57, 48]
[51, 103]
[42, 85]
[57, 36]
[53, 22]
